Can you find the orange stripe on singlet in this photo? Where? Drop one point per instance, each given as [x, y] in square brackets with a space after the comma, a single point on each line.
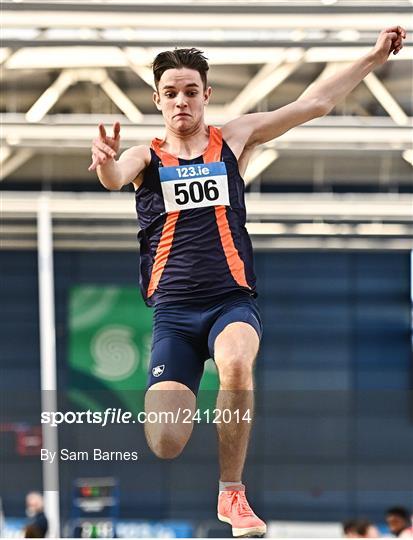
[234, 261]
[167, 236]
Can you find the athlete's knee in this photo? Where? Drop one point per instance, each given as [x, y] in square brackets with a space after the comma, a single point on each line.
[235, 370]
[168, 434]
[235, 350]
[166, 443]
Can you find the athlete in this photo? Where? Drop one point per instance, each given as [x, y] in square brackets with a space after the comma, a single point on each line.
[196, 265]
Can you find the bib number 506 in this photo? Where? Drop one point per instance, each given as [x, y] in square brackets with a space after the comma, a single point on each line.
[196, 191]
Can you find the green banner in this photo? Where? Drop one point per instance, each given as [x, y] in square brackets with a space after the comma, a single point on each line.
[110, 335]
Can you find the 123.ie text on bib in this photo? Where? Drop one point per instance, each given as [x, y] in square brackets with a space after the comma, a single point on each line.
[194, 186]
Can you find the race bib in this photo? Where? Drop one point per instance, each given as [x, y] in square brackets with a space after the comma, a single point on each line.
[194, 186]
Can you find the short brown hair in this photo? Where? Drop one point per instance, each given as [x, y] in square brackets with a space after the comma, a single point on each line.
[357, 526]
[179, 58]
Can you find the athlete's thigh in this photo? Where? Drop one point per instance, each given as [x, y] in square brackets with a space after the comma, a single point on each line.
[238, 341]
[237, 329]
[174, 359]
[177, 349]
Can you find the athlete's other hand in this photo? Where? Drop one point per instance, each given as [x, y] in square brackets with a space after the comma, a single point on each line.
[389, 41]
[105, 148]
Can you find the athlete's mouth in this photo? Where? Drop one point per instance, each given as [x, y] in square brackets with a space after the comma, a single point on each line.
[181, 114]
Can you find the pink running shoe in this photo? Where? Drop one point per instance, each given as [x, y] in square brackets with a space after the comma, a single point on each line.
[233, 508]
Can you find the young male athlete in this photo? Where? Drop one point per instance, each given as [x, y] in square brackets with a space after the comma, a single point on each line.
[196, 265]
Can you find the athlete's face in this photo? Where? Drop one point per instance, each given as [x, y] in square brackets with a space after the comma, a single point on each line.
[181, 97]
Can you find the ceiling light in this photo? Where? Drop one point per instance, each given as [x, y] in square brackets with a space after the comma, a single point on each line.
[348, 35]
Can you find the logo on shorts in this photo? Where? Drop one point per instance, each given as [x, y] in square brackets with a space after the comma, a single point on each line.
[158, 370]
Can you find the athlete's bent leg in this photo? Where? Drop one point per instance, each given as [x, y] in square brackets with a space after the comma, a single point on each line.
[166, 432]
[174, 375]
[235, 350]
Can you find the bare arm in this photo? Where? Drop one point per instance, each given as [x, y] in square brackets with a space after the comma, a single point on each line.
[317, 100]
[335, 88]
[115, 174]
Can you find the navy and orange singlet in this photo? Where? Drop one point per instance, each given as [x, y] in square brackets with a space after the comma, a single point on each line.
[202, 250]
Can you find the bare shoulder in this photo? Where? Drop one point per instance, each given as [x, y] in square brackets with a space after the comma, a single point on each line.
[236, 134]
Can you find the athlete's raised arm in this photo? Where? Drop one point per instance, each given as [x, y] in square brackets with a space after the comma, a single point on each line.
[115, 174]
[318, 99]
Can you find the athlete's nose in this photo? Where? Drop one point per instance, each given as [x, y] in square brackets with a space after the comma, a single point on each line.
[180, 100]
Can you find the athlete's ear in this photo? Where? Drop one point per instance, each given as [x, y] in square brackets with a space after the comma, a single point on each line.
[207, 95]
[157, 100]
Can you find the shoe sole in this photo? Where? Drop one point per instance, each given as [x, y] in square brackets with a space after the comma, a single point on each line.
[246, 532]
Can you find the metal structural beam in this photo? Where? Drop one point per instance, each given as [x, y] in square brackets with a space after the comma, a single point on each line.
[385, 98]
[81, 56]
[313, 221]
[14, 161]
[188, 18]
[335, 132]
[112, 44]
[48, 376]
[201, 23]
[69, 77]
[120, 99]
[260, 160]
[50, 96]
[408, 156]
[114, 205]
[265, 81]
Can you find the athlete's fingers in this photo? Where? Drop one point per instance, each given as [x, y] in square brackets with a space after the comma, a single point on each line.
[107, 148]
[97, 143]
[398, 29]
[401, 31]
[98, 158]
[392, 35]
[94, 163]
[389, 42]
[397, 46]
[101, 156]
[116, 130]
[102, 131]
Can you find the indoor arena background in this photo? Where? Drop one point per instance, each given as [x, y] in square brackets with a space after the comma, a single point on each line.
[330, 216]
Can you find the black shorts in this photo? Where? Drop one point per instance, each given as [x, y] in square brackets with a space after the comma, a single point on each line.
[184, 334]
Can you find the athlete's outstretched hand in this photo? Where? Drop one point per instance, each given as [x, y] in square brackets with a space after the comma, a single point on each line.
[389, 41]
[105, 148]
